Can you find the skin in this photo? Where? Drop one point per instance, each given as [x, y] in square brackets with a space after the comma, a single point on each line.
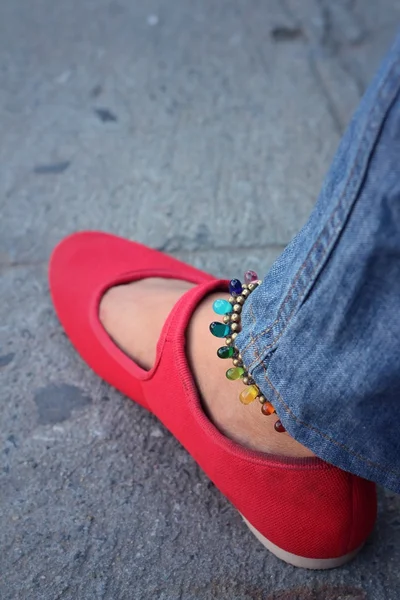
[134, 314]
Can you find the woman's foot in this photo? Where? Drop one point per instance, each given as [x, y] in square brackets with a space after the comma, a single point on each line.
[134, 314]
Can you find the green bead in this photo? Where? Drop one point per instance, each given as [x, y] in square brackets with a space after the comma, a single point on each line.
[235, 373]
[219, 329]
[222, 307]
[226, 352]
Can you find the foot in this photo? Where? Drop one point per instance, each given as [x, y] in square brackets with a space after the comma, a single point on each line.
[134, 314]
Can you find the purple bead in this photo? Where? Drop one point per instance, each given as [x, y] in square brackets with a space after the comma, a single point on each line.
[235, 287]
[250, 276]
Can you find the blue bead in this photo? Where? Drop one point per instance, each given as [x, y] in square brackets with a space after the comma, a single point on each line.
[219, 329]
[235, 287]
[222, 307]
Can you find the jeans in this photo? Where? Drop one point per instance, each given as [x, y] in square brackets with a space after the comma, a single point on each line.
[321, 335]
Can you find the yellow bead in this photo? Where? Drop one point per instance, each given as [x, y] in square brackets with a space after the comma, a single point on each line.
[249, 394]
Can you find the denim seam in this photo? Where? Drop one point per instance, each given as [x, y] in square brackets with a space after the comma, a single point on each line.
[332, 235]
[324, 435]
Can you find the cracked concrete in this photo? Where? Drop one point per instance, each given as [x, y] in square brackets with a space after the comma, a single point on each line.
[203, 128]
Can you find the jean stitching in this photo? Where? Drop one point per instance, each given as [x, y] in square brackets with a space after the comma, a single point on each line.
[251, 335]
[324, 435]
[251, 311]
[327, 225]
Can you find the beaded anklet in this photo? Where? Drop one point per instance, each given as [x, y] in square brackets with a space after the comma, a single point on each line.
[231, 310]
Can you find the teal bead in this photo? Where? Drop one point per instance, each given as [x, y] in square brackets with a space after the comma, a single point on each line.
[219, 329]
[222, 307]
[226, 352]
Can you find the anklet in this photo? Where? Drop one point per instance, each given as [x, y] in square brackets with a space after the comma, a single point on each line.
[231, 311]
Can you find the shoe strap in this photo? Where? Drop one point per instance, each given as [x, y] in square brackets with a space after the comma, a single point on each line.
[175, 326]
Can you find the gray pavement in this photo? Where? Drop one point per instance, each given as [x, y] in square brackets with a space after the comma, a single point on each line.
[204, 128]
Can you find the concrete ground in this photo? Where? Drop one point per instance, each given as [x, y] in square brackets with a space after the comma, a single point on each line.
[203, 128]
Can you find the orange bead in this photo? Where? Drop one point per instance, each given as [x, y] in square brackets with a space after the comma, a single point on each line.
[249, 394]
[267, 409]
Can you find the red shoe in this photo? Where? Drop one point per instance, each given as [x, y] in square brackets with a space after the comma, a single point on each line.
[306, 512]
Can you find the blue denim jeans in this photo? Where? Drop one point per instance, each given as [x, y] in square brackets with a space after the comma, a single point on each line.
[321, 335]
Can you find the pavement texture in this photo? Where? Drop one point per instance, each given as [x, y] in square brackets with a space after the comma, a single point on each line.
[203, 128]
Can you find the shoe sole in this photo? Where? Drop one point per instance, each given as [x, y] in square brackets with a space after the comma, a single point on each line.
[301, 561]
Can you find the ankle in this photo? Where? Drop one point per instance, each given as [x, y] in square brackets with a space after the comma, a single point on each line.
[243, 424]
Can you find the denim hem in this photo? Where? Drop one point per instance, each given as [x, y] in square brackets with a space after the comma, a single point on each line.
[327, 447]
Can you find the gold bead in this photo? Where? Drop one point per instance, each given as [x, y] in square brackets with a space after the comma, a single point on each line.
[228, 341]
[240, 356]
[235, 326]
[245, 293]
[237, 362]
[226, 319]
[251, 286]
[244, 286]
[234, 336]
[237, 308]
[232, 300]
[262, 399]
[245, 380]
[235, 318]
[240, 299]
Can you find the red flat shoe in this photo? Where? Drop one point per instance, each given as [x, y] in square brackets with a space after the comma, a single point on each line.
[306, 512]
